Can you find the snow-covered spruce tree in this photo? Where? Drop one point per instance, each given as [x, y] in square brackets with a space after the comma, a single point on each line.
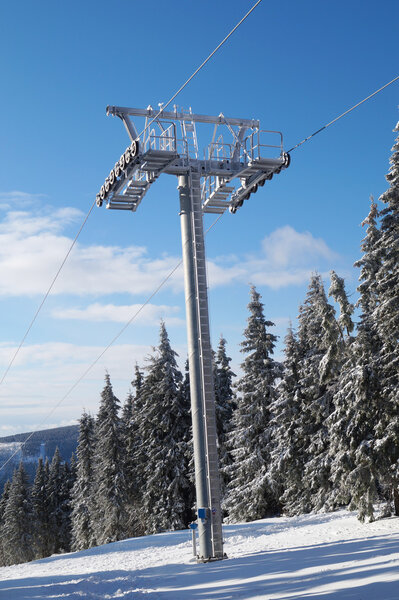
[351, 425]
[3, 504]
[320, 347]
[70, 478]
[137, 382]
[127, 409]
[131, 440]
[18, 523]
[286, 465]
[224, 406]
[73, 471]
[109, 504]
[386, 317]
[41, 513]
[162, 456]
[60, 504]
[185, 391]
[82, 491]
[338, 293]
[249, 495]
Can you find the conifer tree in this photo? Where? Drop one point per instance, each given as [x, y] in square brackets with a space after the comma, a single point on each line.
[249, 493]
[17, 531]
[338, 292]
[320, 342]
[386, 318]
[286, 466]
[127, 410]
[137, 382]
[351, 425]
[41, 513]
[110, 484]
[69, 482]
[3, 504]
[224, 407]
[82, 492]
[185, 391]
[130, 440]
[162, 456]
[59, 498]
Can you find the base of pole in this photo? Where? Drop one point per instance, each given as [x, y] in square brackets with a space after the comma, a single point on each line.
[211, 559]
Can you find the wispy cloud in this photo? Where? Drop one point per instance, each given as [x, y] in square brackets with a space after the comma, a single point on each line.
[18, 199]
[149, 315]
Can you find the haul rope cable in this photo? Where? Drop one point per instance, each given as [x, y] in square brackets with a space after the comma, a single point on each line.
[343, 114]
[92, 206]
[46, 295]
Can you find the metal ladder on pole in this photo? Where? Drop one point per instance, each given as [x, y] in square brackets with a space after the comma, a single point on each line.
[208, 392]
[190, 137]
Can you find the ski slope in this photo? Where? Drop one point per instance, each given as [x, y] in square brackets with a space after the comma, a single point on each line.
[327, 556]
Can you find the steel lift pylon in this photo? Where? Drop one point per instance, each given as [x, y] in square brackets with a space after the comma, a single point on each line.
[169, 144]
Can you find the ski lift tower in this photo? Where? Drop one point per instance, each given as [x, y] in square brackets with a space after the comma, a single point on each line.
[168, 144]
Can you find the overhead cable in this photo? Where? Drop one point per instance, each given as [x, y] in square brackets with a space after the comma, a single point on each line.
[181, 88]
[46, 295]
[343, 114]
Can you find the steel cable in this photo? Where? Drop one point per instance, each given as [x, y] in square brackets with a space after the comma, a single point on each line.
[342, 115]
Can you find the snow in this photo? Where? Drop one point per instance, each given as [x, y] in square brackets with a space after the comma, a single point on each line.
[318, 556]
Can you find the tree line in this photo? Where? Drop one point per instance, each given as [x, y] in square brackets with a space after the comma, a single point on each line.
[316, 432]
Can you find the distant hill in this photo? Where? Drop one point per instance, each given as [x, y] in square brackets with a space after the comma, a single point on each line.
[41, 444]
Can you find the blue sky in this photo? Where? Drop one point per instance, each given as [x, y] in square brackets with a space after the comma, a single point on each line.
[292, 65]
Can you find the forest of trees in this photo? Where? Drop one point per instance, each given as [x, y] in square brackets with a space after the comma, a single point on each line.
[316, 432]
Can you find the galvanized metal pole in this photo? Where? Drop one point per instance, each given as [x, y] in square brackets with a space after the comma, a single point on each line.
[197, 410]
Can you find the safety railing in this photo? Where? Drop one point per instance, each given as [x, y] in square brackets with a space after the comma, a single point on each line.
[219, 151]
[253, 144]
[167, 140]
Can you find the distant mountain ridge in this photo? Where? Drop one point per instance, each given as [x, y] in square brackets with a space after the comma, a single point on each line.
[67, 432]
[41, 444]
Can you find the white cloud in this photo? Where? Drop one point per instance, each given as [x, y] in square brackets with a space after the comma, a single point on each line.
[53, 354]
[43, 374]
[276, 279]
[32, 247]
[147, 315]
[286, 247]
[19, 223]
[287, 258]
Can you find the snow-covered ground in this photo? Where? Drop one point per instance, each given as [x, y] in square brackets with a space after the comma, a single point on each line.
[327, 556]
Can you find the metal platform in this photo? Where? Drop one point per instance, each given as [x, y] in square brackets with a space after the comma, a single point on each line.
[169, 145]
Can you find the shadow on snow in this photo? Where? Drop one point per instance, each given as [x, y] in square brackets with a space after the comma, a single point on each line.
[278, 573]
